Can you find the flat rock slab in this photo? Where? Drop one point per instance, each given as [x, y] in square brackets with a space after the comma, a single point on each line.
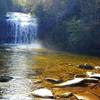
[73, 82]
[93, 75]
[43, 93]
[77, 81]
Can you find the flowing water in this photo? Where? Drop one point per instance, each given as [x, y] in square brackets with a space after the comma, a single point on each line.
[22, 27]
[27, 66]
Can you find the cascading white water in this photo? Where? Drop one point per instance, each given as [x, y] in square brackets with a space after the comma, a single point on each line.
[23, 27]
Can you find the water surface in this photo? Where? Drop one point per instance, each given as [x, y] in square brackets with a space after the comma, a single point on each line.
[26, 65]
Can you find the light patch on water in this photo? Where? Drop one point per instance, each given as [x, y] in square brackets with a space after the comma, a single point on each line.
[23, 27]
[24, 19]
[19, 97]
[28, 47]
[19, 16]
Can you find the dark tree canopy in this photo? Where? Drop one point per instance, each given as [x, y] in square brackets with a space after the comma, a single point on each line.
[70, 25]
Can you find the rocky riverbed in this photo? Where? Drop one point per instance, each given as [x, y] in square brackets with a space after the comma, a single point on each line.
[68, 76]
[48, 75]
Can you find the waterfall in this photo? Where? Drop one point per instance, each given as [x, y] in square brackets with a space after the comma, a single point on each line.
[22, 28]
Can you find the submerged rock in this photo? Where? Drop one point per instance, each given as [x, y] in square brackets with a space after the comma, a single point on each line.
[68, 96]
[86, 66]
[87, 96]
[5, 78]
[80, 76]
[76, 81]
[53, 80]
[43, 93]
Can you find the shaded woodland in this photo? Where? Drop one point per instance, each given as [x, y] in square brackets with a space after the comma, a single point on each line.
[69, 25]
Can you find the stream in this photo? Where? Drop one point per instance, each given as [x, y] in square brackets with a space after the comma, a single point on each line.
[27, 66]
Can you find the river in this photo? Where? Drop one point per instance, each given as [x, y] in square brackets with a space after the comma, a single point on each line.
[29, 67]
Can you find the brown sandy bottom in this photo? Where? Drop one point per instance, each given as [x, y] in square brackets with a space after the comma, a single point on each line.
[64, 66]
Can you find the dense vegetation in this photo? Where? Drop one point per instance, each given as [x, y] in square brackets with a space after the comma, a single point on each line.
[70, 25]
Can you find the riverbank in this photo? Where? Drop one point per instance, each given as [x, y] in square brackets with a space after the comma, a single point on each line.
[64, 66]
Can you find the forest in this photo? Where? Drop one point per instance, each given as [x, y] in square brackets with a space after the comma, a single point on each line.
[71, 25]
[68, 25]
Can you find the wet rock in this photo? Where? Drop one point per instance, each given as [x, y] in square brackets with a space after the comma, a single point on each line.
[73, 98]
[43, 93]
[36, 81]
[75, 81]
[91, 80]
[67, 96]
[86, 66]
[93, 75]
[5, 78]
[53, 80]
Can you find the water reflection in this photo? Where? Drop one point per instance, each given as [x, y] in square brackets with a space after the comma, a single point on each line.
[18, 65]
